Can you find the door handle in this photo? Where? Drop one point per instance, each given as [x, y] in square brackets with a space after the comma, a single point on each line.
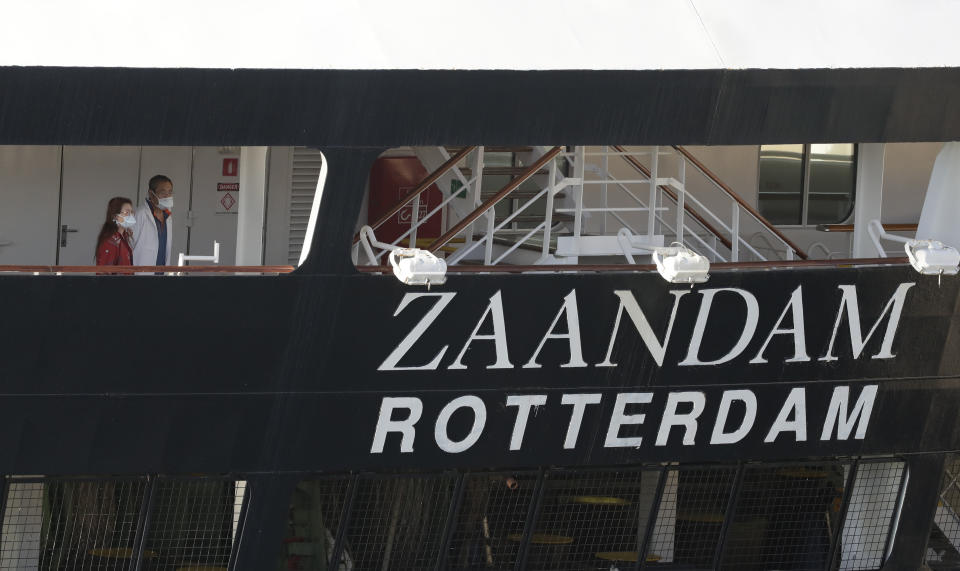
[63, 234]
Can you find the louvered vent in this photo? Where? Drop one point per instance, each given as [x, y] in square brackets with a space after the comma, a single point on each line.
[306, 171]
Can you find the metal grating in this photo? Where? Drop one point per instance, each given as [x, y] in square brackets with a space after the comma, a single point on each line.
[589, 519]
[193, 522]
[491, 519]
[70, 524]
[866, 526]
[314, 520]
[690, 517]
[785, 517]
[398, 522]
[943, 547]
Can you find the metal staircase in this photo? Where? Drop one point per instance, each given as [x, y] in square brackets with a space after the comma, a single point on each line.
[580, 206]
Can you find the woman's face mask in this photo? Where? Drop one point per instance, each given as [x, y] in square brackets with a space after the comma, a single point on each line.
[127, 221]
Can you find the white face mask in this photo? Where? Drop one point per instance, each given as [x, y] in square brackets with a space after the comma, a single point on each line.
[166, 203]
[127, 221]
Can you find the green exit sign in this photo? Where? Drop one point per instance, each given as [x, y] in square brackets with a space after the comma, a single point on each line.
[457, 188]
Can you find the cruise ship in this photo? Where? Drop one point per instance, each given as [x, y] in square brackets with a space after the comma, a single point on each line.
[526, 286]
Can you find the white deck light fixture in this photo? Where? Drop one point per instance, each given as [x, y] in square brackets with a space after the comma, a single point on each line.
[933, 258]
[680, 265]
[929, 257]
[412, 266]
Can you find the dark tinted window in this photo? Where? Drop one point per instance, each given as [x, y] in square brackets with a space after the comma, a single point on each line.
[781, 183]
[807, 184]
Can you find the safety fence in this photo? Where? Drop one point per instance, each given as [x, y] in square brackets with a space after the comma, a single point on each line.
[824, 515]
[943, 547]
[118, 523]
[837, 514]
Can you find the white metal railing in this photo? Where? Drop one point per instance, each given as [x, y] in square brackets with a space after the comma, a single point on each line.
[737, 205]
[656, 219]
[545, 227]
[656, 205]
[876, 232]
[680, 197]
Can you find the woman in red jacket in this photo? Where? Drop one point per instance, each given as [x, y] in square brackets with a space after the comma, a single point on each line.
[113, 243]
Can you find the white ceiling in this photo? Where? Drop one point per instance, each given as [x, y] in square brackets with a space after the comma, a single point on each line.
[483, 34]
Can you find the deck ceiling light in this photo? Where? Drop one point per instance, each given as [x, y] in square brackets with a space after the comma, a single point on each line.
[680, 265]
[414, 266]
[931, 257]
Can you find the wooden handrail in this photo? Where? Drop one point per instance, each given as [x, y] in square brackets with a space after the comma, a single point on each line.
[637, 165]
[493, 200]
[756, 214]
[147, 269]
[424, 185]
[766, 264]
[849, 227]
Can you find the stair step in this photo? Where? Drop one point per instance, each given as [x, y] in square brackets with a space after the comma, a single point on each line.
[523, 219]
[520, 195]
[519, 149]
[501, 171]
[508, 241]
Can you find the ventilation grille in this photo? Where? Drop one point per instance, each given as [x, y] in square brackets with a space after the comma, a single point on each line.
[303, 187]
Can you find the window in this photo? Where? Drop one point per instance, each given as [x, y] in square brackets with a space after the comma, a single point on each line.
[807, 184]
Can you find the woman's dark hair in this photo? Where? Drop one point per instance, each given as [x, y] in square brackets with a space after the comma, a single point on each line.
[110, 225]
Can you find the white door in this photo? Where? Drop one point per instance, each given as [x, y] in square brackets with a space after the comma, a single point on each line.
[214, 204]
[91, 177]
[29, 193]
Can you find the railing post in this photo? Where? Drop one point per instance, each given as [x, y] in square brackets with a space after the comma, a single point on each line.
[579, 167]
[414, 222]
[345, 512]
[548, 212]
[475, 190]
[652, 203]
[652, 516]
[603, 187]
[728, 515]
[735, 234]
[681, 194]
[143, 523]
[238, 528]
[835, 552]
[450, 524]
[488, 245]
[533, 511]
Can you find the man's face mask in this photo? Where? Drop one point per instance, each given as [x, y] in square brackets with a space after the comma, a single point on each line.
[165, 203]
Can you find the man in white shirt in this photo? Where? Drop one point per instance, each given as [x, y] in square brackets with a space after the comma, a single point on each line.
[153, 234]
